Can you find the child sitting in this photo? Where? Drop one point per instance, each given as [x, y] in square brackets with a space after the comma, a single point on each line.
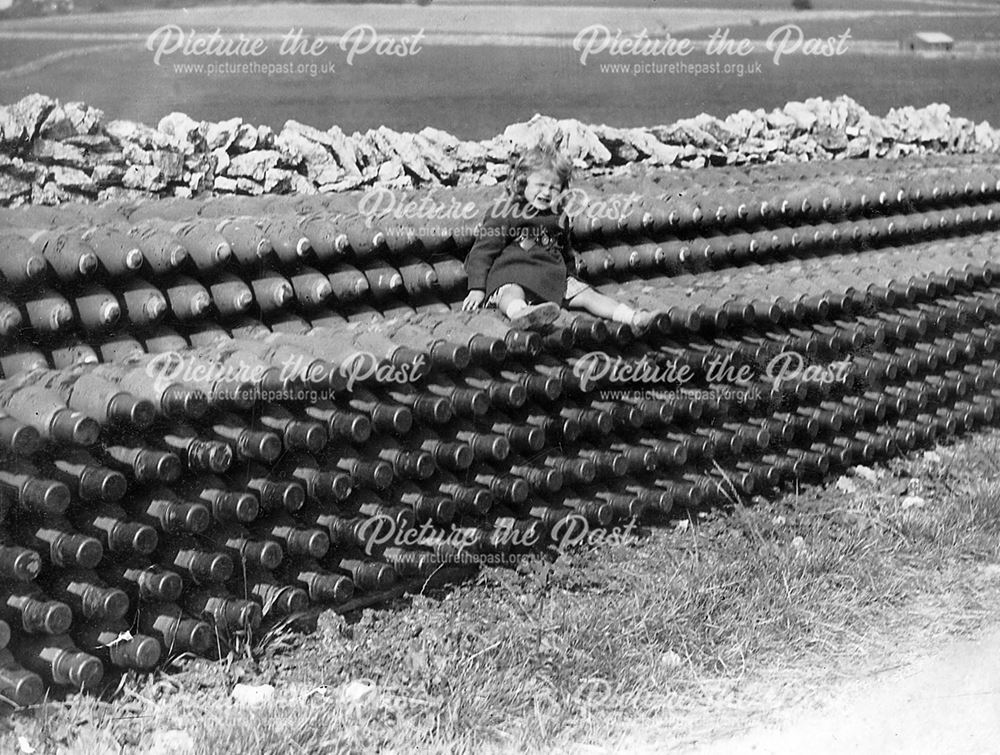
[522, 259]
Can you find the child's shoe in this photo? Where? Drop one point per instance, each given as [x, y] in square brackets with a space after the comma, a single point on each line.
[646, 321]
[535, 316]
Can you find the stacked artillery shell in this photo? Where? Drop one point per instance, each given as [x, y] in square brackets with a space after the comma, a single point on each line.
[218, 412]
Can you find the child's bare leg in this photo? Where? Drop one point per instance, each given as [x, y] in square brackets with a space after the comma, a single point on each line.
[513, 303]
[596, 303]
[600, 305]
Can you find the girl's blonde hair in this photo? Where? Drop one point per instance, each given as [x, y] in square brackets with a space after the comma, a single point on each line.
[544, 156]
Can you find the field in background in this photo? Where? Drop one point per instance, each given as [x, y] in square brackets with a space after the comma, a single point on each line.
[318, 19]
[476, 95]
[20, 52]
[779, 4]
[476, 92]
[88, 6]
[976, 26]
[817, 5]
[486, 18]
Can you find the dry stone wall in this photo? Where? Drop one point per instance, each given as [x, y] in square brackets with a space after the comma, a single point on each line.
[52, 152]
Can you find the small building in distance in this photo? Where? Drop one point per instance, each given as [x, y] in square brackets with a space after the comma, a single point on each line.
[928, 42]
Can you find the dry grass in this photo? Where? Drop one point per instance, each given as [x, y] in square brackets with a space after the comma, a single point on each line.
[712, 618]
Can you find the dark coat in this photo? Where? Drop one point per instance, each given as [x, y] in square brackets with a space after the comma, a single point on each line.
[516, 243]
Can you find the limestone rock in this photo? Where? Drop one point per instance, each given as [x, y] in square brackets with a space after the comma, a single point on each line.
[582, 143]
[199, 181]
[221, 135]
[224, 184]
[200, 161]
[402, 145]
[803, 144]
[130, 132]
[539, 129]
[118, 195]
[296, 132]
[442, 139]
[344, 150]
[245, 138]
[57, 125]
[328, 174]
[685, 132]
[107, 175]
[278, 181]
[577, 140]
[58, 153]
[366, 151]
[497, 171]
[254, 164]
[437, 159]
[390, 170]
[14, 188]
[86, 120]
[187, 133]
[802, 114]
[831, 140]
[316, 157]
[170, 164]
[716, 129]
[93, 143]
[21, 122]
[769, 146]
[249, 186]
[299, 184]
[640, 142]
[145, 177]
[71, 178]
[859, 146]
[50, 193]
[220, 160]
[620, 145]
[348, 182]
[466, 154]
[741, 122]
[901, 149]
[446, 150]
[985, 137]
[265, 137]
[320, 149]
[780, 121]
[136, 155]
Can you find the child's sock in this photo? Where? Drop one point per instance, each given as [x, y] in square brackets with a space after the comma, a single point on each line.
[639, 320]
[624, 314]
[515, 307]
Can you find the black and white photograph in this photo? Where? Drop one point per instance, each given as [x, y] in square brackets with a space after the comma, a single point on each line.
[499, 376]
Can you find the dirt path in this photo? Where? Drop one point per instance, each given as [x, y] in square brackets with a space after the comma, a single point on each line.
[948, 702]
